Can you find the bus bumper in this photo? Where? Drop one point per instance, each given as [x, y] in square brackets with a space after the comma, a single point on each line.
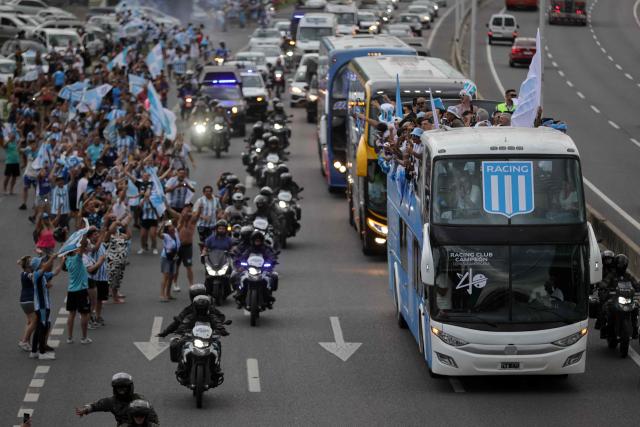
[538, 357]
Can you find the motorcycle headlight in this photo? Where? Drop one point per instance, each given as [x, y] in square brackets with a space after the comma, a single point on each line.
[385, 19]
[259, 99]
[435, 7]
[270, 165]
[571, 339]
[218, 126]
[199, 343]
[258, 150]
[188, 100]
[253, 271]
[278, 75]
[447, 338]
[624, 301]
[223, 270]
[282, 204]
[313, 98]
[200, 128]
[289, 53]
[210, 271]
[234, 110]
[278, 126]
[296, 90]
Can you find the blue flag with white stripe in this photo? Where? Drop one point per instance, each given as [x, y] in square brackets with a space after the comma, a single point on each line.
[434, 110]
[507, 187]
[399, 113]
[136, 84]
[132, 193]
[157, 193]
[119, 60]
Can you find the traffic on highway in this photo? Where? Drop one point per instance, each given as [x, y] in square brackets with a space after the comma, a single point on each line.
[345, 212]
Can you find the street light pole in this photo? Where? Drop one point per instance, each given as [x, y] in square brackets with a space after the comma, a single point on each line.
[457, 11]
[472, 47]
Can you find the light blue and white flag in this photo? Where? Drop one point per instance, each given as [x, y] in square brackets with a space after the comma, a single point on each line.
[434, 110]
[132, 193]
[156, 110]
[399, 113]
[530, 97]
[182, 39]
[73, 242]
[119, 60]
[110, 133]
[155, 60]
[92, 99]
[73, 92]
[44, 156]
[136, 84]
[157, 198]
[171, 130]
[470, 89]
[115, 114]
[30, 76]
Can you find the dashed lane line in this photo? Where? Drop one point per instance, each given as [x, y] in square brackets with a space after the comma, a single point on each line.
[595, 109]
[619, 67]
[569, 83]
[580, 95]
[614, 125]
[635, 141]
[561, 73]
[253, 375]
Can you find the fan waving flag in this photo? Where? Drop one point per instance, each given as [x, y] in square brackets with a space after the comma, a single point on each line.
[136, 84]
[119, 60]
[398, 99]
[155, 60]
[434, 111]
[157, 193]
[73, 242]
[530, 92]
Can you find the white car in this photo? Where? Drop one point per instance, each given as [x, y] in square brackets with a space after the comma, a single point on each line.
[282, 25]
[160, 18]
[11, 24]
[106, 22]
[58, 39]
[255, 94]
[298, 87]
[424, 12]
[7, 68]
[368, 22]
[54, 13]
[257, 58]
[265, 36]
[502, 27]
[29, 61]
[271, 53]
[398, 30]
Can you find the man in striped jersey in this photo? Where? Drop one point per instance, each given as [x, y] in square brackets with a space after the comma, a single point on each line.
[178, 188]
[60, 206]
[207, 208]
[94, 260]
[148, 223]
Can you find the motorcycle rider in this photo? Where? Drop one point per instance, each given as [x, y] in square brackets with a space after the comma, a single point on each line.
[256, 133]
[278, 84]
[272, 146]
[139, 413]
[220, 112]
[257, 246]
[201, 111]
[227, 190]
[608, 274]
[187, 89]
[222, 51]
[236, 212]
[621, 262]
[200, 312]
[264, 209]
[288, 184]
[118, 404]
[219, 240]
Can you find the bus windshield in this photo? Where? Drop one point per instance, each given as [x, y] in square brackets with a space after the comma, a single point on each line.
[306, 34]
[347, 18]
[376, 189]
[507, 192]
[510, 284]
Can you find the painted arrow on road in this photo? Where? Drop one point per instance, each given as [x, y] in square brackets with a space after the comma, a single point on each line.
[343, 350]
[152, 348]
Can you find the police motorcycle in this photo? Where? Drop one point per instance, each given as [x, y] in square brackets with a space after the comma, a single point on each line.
[269, 232]
[279, 124]
[250, 158]
[218, 269]
[256, 285]
[220, 135]
[270, 174]
[289, 210]
[278, 79]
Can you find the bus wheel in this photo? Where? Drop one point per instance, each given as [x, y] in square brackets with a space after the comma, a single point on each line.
[368, 246]
[352, 221]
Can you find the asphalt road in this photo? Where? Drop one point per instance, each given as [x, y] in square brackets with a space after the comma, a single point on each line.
[591, 81]
[323, 275]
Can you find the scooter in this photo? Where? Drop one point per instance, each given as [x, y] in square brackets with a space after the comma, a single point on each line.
[218, 271]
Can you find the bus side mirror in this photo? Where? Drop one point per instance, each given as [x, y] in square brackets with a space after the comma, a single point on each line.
[427, 269]
[595, 258]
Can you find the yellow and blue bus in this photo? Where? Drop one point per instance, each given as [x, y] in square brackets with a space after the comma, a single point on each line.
[490, 254]
[334, 56]
[371, 80]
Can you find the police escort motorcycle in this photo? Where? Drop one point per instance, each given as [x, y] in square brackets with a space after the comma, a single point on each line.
[218, 269]
[620, 309]
[220, 135]
[290, 212]
[255, 285]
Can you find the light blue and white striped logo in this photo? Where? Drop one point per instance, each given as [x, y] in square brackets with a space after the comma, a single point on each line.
[507, 188]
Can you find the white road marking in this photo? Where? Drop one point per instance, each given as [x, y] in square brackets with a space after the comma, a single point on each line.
[638, 84]
[152, 348]
[635, 141]
[554, 63]
[614, 125]
[561, 73]
[432, 36]
[253, 375]
[246, 312]
[61, 321]
[610, 58]
[549, 55]
[591, 29]
[569, 83]
[23, 411]
[603, 50]
[633, 355]
[63, 311]
[597, 42]
[54, 343]
[594, 36]
[56, 331]
[580, 95]
[595, 109]
[457, 385]
[36, 383]
[42, 369]
[612, 204]
[31, 397]
[635, 12]
[492, 68]
[629, 76]
[619, 67]
[249, 181]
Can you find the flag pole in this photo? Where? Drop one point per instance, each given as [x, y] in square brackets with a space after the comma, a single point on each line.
[541, 7]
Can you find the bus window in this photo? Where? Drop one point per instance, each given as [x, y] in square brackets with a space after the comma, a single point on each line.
[501, 192]
[404, 247]
[417, 279]
[376, 189]
[426, 163]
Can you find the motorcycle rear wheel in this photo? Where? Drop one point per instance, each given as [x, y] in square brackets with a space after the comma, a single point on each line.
[254, 308]
[199, 390]
[624, 347]
[612, 342]
[219, 295]
[217, 153]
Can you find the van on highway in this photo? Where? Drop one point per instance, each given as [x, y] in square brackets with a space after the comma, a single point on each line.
[502, 27]
[312, 27]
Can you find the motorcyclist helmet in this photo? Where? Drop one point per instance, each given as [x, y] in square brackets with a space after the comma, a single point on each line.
[278, 108]
[197, 289]
[621, 263]
[608, 258]
[257, 238]
[189, 73]
[240, 188]
[245, 232]
[260, 201]
[201, 305]
[139, 408]
[273, 142]
[266, 136]
[266, 191]
[286, 179]
[282, 168]
[232, 180]
[275, 100]
[237, 198]
[122, 384]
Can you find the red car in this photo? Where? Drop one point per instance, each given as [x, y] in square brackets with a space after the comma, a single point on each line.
[522, 51]
[521, 4]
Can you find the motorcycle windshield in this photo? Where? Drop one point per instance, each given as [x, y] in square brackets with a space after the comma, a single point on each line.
[217, 258]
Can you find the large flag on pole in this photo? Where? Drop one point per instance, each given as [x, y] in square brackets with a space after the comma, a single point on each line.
[155, 60]
[157, 193]
[398, 99]
[434, 111]
[530, 92]
[136, 84]
[73, 242]
[119, 60]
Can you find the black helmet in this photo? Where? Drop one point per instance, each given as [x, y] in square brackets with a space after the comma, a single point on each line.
[278, 107]
[197, 289]
[232, 180]
[621, 264]
[122, 384]
[258, 125]
[275, 101]
[607, 259]
[260, 201]
[286, 179]
[222, 223]
[139, 408]
[201, 305]
[240, 188]
[245, 232]
[273, 140]
[266, 191]
[282, 168]
[266, 136]
[256, 235]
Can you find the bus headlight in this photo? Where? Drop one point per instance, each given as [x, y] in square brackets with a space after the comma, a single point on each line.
[448, 339]
[571, 339]
[296, 90]
[259, 99]
[337, 164]
[378, 227]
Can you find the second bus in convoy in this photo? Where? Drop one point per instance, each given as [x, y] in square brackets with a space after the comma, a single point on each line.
[490, 253]
[333, 83]
[372, 83]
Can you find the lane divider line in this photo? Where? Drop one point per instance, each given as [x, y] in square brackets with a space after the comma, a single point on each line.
[561, 73]
[432, 36]
[614, 125]
[635, 141]
[580, 95]
[253, 375]
[569, 83]
[635, 12]
[595, 109]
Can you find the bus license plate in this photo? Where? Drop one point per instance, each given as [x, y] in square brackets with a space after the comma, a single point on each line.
[510, 365]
